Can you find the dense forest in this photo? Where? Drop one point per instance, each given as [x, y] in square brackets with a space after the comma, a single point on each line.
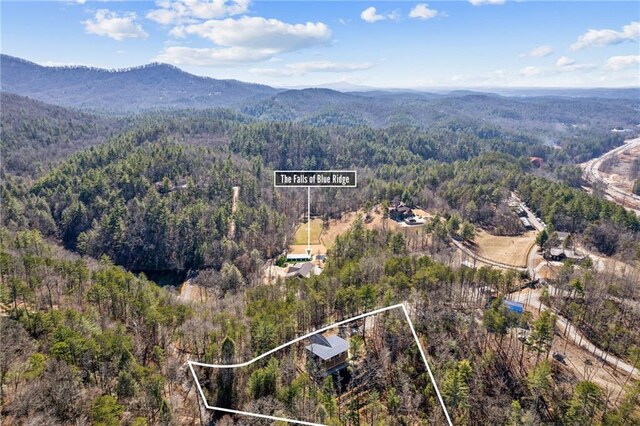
[161, 206]
[104, 216]
[35, 134]
[103, 344]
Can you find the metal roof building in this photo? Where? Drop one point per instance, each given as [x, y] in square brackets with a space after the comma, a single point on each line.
[327, 347]
[300, 270]
[298, 257]
[516, 307]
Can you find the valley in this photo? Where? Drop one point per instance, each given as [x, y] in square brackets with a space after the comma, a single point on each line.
[520, 286]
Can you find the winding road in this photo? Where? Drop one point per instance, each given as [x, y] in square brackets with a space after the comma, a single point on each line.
[592, 174]
[531, 299]
[539, 226]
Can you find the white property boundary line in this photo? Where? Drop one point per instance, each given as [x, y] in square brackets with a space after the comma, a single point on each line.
[337, 324]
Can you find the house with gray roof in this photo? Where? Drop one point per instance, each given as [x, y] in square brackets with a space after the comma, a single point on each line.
[303, 269]
[330, 352]
[563, 250]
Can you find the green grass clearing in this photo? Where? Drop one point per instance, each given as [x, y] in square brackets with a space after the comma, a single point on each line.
[300, 236]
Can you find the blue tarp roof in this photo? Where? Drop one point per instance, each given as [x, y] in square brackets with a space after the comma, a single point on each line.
[514, 306]
[327, 347]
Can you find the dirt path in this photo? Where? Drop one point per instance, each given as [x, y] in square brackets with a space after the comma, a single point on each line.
[586, 367]
[191, 293]
[234, 207]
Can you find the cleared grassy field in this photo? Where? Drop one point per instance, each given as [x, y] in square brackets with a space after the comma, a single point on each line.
[300, 236]
[321, 240]
[508, 250]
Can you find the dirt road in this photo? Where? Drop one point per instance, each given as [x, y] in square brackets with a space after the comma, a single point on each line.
[592, 174]
[234, 208]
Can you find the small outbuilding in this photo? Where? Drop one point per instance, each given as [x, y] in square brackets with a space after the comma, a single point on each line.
[527, 225]
[516, 307]
[303, 257]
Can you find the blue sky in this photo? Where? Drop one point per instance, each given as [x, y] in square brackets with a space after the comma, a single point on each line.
[465, 44]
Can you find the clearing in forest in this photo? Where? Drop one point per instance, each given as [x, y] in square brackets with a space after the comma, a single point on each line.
[300, 236]
[323, 239]
[620, 173]
[510, 250]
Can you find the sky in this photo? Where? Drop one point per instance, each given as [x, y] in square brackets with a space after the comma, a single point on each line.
[392, 44]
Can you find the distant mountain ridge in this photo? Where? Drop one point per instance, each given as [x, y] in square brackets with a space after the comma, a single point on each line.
[163, 87]
[146, 87]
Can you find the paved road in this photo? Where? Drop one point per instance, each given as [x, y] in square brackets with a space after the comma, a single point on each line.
[531, 263]
[592, 173]
[554, 291]
[531, 299]
[532, 217]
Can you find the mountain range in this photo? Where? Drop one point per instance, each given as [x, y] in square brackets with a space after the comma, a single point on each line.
[151, 86]
[160, 86]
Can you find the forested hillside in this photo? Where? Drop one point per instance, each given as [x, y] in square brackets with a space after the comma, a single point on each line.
[152, 86]
[83, 339]
[552, 118]
[153, 205]
[550, 115]
[35, 134]
[124, 253]
[158, 198]
[90, 340]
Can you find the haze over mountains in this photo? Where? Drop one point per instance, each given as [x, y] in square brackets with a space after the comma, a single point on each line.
[147, 87]
[161, 86]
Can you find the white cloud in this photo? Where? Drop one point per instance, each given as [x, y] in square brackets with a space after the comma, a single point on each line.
[563, 65]
[481, 2]
[371, 15]
[606, 37]
[539, 52]
[617, 63]
[302, 68]
[564, 61]
[533, 71]
[576, 67]
[394, 16]
[247, 39]
[213, 57]
[188, 11]
[422, 11]
[259, 33]
[111, 24]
